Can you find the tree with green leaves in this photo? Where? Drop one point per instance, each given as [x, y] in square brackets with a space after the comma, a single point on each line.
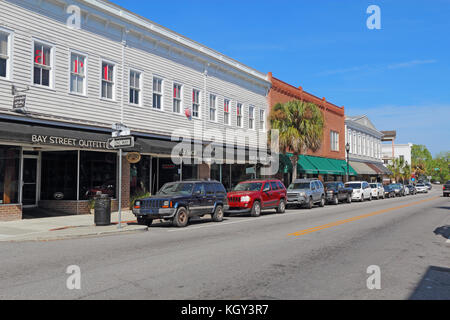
[300, 125]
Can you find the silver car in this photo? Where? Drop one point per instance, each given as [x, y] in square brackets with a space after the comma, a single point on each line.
[377, 191]
[306, 192]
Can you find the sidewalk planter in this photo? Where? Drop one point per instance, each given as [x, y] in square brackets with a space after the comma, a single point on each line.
[102, 210]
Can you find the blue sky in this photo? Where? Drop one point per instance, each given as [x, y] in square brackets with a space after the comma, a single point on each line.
[399, 76]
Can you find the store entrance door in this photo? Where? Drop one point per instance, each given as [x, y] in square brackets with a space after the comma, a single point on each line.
[30, 182]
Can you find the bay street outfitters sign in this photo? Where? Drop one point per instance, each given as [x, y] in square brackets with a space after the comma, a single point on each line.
[68, 142]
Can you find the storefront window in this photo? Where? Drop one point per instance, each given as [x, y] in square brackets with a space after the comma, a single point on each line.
[98, 174]
[168, 172]
[59, 175]
[140, 177]
[9, 174]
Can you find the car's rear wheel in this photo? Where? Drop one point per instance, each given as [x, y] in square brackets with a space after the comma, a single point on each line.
[181, 218]
[256, 209]
[218, 214]
[281, 207]
[362, 198]
[322, 202]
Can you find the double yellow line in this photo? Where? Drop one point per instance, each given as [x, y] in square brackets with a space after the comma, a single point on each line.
[341, 222]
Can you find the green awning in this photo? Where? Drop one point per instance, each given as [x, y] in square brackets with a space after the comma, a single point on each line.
[305, 165]
[316, 165]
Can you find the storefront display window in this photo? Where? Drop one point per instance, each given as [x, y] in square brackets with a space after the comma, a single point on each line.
[140, 177]
[168, 172]
[59, 175]
[9, 174]
[98, 174]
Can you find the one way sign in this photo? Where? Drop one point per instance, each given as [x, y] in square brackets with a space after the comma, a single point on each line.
[121, 143]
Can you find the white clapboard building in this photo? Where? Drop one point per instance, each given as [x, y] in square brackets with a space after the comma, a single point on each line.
[69, 70]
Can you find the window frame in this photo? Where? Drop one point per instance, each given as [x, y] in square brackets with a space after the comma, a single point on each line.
[199, 103]
[85, 85]
[251, 116]
[161, 94]
[114, 79]
[262, 120]
[227, 113]
[210, 95]
[180, 99]
[140, 89]
[240, 115]
[334, 141]
[51, 81]
[9, 53]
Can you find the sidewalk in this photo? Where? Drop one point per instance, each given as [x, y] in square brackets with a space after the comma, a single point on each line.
[68, 227]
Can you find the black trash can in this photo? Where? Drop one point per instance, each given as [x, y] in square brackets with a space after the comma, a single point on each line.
[102, 210]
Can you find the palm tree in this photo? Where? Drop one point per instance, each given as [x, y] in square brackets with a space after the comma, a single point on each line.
[406, 172]
[300, 125]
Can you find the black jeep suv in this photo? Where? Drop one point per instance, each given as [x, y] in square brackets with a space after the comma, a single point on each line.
[179, 201]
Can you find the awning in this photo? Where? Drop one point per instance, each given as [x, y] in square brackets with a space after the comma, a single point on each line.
[343, 165]
[375, 168]
[316, 165]
[362, 168]
[383, 169]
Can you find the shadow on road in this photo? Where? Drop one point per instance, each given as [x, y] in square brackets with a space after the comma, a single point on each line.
[435, 285]
[443, 231]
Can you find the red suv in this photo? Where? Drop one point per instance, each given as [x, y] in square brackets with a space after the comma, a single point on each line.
[257, 195]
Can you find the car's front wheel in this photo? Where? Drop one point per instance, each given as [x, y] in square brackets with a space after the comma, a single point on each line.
[218, 214]
[349, 198]
[322, 202]
[335, 200]
[256, 209]
[181, 218]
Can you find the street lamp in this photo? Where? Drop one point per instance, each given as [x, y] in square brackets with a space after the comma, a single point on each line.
[347, 148]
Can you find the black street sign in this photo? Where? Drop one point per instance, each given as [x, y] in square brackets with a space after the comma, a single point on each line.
[19, 102]
[120, 143]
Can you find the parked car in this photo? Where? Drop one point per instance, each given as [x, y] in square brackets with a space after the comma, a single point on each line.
[412, 189]
[361, 190]
[254, 196]
[306, 192]
[446, 189]
[399, 189]
[389, 192]
[337, 192]
[421, 188]
[428, 185]
[179, 201]
[377, 190]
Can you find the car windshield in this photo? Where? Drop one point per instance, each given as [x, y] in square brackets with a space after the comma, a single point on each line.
[176, 189]
[353, 185]
[421, 185]
[296, 186]
[448, 182]
[255, 186]
[331, 185]
[373, 185]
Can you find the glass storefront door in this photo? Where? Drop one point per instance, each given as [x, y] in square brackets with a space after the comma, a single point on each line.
[30, 182]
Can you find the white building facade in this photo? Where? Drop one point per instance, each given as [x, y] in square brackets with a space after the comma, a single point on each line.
[401, 151]
[85, 65]
[365, 148]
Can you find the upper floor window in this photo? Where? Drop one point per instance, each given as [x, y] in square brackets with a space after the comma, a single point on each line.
[212, 107]
[157, 93]
[4, 54]
[77, 73]
[42, 70]
[262, 120]
[334, 138]
[239, 115]
[251, 117]
[135, 87]
[108, 70]
[176, 98]
[226, 111]
[196, 103]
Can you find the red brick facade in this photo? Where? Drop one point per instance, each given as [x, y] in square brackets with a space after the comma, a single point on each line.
[334, 116]
[10, 212]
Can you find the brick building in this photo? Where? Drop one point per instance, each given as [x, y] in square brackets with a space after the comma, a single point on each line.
[329, 162]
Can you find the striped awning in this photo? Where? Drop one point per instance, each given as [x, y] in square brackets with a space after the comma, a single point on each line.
[362, 168]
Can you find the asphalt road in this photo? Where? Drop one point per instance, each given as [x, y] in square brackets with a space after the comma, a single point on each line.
[322, 253]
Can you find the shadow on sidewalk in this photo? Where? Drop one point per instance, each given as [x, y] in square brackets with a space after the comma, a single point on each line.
[435, 285]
